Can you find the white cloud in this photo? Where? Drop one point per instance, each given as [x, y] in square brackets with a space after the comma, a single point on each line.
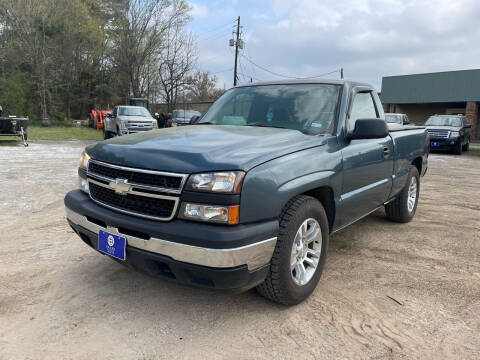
[199, 11]
[370, 38]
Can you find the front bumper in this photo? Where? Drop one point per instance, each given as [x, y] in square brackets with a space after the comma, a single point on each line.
[193, 253]
[443, 144]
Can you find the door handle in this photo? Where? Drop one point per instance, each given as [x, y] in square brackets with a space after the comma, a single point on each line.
[386, 151]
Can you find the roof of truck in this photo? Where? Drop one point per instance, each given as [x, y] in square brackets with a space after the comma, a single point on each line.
[307, 81]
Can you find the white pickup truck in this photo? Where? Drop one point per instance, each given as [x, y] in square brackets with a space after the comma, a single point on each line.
[128, 120]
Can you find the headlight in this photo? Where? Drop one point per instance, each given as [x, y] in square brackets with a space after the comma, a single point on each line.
[82, 172]
[210, 213]
[83, 162]
[221, 182]
[454, 134]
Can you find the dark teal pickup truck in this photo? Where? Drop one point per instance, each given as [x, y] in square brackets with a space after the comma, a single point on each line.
[249, 196]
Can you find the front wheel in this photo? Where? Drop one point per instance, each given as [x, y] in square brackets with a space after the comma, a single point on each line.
[106, 134]
[457, 150]
[403, 208]
[466, 147]
[300, 253]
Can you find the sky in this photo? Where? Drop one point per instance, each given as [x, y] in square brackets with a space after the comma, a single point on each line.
[306, 38]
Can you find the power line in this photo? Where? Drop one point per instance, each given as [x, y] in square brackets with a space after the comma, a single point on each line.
[215, 36]
[218, 72]
[286, 76]
[217, 28]
[249, 76]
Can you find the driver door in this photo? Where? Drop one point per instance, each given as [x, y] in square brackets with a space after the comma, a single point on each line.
[367, 164]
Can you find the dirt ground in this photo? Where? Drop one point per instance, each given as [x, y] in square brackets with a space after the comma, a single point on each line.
[389, 291]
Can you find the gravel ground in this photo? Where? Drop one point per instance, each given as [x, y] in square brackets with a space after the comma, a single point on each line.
[389, 291]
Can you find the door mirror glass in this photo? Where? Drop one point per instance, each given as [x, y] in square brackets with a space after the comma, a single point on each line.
[369, 129]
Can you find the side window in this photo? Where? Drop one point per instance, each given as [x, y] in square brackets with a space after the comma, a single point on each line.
[363, 107]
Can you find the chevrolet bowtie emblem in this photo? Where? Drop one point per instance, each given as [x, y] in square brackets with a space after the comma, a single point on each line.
[121, 186]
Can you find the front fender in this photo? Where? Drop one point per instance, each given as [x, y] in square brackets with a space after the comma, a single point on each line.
[268, 187]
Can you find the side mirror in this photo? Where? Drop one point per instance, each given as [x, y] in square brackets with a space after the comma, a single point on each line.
[109, 115]
[468, 126]
[369, 129]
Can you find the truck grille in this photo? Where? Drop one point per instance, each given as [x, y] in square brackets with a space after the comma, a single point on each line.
[438, 134]
[163, 181]
[145, 193]
[138, 205]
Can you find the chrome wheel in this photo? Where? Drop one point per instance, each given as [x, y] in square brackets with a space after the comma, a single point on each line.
[306, 251]
[412, 194]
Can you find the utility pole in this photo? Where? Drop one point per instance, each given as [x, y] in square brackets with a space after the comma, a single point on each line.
[238, 43]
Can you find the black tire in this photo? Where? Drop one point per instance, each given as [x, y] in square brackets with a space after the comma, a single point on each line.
[457, 150]
[466, 147]
[118, 131]
[397, 210]
[279, 285]
[25, 136]
[106, 135]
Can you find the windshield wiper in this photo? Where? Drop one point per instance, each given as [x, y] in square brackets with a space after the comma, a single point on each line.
[205, 123]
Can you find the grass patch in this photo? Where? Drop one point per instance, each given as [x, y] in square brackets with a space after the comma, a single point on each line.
[59, 133]
[474, 148]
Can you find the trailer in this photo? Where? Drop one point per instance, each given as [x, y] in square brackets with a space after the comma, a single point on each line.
[14, 126]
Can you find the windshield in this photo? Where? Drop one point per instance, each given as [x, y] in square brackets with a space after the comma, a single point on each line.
[185, 114]
[133, 111]
[444, 121]
[393, 118]
[309, 108]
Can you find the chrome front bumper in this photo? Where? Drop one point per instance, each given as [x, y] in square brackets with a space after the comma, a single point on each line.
[254, 256]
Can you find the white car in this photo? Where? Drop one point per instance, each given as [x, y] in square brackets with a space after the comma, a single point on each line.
[128, 120]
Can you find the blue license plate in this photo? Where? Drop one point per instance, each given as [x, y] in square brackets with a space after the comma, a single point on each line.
[112, 244]
[435, 144]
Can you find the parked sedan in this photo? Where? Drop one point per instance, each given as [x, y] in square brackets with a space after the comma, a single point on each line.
[449, 132]
[182, 117]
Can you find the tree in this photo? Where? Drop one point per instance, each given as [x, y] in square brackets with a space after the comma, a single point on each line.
[139, 32]
[202, 87]
[178, 59]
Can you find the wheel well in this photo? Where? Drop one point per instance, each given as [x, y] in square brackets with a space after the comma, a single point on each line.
[325, 196]
[418, 164]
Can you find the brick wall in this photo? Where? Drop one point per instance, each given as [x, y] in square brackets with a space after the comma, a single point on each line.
[472, 116]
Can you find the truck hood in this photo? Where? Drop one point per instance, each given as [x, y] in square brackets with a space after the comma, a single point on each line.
[197, 148]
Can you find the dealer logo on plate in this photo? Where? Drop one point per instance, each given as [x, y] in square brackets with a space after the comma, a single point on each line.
[110, 240]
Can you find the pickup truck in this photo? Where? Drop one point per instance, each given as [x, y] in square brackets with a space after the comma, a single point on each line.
[249, 196]
[127, 120]
[392, 118]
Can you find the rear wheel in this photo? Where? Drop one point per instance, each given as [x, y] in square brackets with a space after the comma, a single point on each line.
[300, 253]
[403, 208]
